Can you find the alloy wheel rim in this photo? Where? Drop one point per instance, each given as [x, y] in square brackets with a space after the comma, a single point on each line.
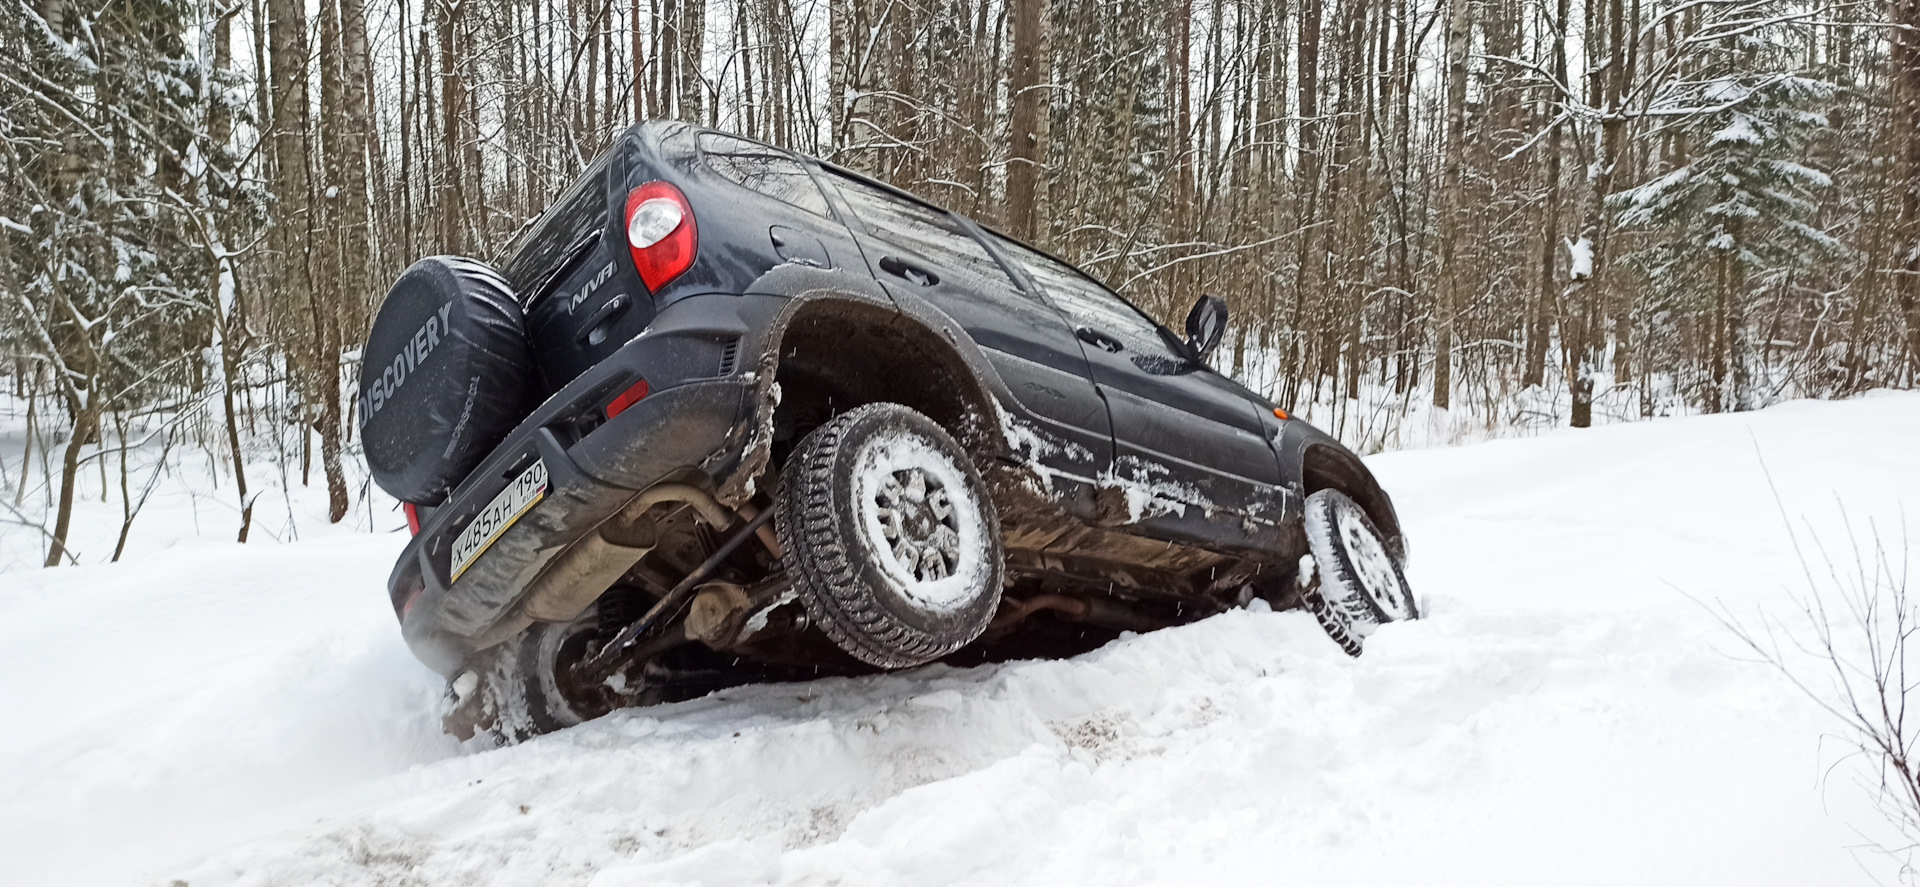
[917, 523]
[1372, 565]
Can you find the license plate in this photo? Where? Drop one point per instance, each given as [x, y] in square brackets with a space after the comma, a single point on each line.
[525, 492]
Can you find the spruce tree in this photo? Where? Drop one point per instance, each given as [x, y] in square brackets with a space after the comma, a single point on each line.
[1727, 220]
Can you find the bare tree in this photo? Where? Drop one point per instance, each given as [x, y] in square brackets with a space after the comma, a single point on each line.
[1852, 646]
[1387, 240]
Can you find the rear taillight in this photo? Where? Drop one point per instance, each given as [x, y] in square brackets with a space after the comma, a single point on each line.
[627, 398]
[413, 517]
[661, 233]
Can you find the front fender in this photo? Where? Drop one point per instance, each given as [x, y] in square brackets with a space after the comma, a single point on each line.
[1313, 460]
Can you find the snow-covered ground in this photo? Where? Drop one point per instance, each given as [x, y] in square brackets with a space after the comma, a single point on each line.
[182, 495]
[217, 714]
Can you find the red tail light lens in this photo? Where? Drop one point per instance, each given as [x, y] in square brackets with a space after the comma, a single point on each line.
[413, 517]
[627, 398]
[661, 233]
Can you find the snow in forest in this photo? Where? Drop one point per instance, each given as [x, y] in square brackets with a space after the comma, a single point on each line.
[218, 714]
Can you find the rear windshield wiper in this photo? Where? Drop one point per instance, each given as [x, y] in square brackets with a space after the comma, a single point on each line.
[564, 267]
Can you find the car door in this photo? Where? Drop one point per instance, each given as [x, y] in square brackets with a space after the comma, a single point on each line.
[915, 248]
[1181, 431]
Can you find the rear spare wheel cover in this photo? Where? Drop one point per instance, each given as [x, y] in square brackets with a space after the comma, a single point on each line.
[445, 376]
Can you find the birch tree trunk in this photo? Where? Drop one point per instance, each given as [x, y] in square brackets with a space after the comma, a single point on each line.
[1453, 198]
[1904, 76]
[1538, 324]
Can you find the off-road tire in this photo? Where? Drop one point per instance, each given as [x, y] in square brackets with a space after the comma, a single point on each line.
[525, 688]
[1338, 624]
[1360, 585]
[858, 592]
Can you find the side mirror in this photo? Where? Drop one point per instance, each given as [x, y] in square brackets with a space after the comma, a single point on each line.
[1206, 324]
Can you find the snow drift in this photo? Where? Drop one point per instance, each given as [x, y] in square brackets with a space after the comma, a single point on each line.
[247, 715]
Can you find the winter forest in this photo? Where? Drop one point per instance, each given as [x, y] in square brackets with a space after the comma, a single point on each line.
[1432, 219]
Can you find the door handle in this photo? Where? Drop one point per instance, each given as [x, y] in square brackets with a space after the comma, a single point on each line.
[595, 330]
[908, 271]
[1100, 340]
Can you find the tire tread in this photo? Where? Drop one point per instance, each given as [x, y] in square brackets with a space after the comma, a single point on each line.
[1339, 616]
[817, 555]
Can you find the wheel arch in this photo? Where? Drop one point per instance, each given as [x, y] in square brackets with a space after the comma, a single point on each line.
[831, 351]
[1326, 465]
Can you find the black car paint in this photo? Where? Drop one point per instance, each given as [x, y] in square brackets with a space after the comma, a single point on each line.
[1228, 468]
[1029, 344]
[1178, 427]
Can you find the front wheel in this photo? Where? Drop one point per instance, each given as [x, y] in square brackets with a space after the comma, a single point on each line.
[1361, 586]
[889, 536]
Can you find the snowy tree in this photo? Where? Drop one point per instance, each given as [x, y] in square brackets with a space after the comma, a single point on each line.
[100, 283]
[1731, 216]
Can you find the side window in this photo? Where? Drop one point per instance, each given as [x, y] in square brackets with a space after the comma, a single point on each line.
[769, 171]
[1088, 304]
[921, 228]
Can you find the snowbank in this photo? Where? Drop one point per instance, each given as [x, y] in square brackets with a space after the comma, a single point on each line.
[228, 715]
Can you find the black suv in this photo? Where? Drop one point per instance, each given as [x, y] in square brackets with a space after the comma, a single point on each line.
[732, 414]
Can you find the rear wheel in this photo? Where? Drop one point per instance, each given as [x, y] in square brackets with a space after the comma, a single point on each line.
[890, 537]
[526, 686]
[1361, 586]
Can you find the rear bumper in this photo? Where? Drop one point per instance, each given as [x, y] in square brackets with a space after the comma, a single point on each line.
[690, 432]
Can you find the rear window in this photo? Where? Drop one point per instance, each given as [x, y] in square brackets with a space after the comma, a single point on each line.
[767, 170]
[567, 225]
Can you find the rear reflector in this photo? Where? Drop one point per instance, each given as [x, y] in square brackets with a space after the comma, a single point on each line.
[413, 597]
[627, 398]
[660, 233]
[413, 517]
